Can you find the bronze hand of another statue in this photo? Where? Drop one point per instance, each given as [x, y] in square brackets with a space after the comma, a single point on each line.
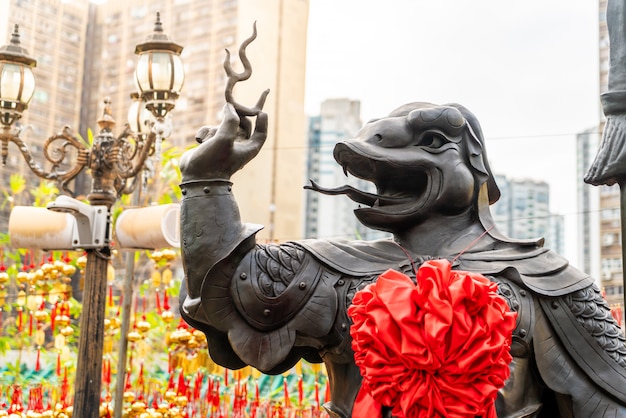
[225, 150]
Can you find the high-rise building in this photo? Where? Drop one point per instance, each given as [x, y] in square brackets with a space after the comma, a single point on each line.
[332, 216]
[523, 212]
[87, 51]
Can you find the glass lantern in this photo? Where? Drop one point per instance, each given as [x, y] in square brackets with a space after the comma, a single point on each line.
[17, 82]
[159, 74]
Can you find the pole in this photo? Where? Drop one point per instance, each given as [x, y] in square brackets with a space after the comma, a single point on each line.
[622, 210]
[87, 387]
[127, 303]
[91, 342]
[127, 291]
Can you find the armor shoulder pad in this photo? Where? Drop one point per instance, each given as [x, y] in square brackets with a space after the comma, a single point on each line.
[583, 322]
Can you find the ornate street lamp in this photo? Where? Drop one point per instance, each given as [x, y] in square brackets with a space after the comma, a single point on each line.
[17, 81]
[114, 164]
[159, 74]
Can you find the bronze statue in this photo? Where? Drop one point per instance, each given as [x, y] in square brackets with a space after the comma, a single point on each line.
[270, 305]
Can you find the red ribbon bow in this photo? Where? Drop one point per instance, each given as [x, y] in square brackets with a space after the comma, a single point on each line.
[436, 349]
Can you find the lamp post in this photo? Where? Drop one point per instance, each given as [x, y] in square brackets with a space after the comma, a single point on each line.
[114, 164]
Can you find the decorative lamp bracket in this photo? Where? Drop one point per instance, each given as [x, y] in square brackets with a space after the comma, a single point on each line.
[92, 222]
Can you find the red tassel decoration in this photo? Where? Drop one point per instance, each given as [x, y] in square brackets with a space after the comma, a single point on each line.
[17, 405]
[300, 391]
[286, 389]
[25, 264]
[30, 323]
[127, 385]
[209, 391]
[59, 364]
[182, 385]
[317, 394]
[158, 302]
[105, 366]
[110, 296]
[216, 398]
[166, 303]
[53, 315]
[327, 394]
[65, 388]
[119, 308]
[140, 380]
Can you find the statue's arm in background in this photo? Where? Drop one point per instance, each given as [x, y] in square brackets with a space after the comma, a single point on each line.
[610, 162]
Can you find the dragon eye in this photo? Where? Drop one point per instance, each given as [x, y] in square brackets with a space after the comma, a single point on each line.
[431, 141]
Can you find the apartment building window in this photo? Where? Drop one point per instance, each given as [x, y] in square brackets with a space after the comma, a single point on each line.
[614, 290]
[229, 4]
[608, 239]
[114, 18]
[138, 12]
[610, 213]
[40, 96]
[611, 264]
[48, 8]
[71, 37]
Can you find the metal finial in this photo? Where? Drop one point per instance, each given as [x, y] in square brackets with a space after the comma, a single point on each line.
[158, 40]
[14, 52]
[15, 37]
[106, 122]
[158, 26]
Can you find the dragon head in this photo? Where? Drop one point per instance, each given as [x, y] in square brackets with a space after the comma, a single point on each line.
[423, 159]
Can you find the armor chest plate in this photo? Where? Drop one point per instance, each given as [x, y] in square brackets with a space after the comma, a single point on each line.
[520, 301]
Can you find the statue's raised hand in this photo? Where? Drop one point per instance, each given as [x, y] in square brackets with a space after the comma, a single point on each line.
[224, 150]
[609, 166]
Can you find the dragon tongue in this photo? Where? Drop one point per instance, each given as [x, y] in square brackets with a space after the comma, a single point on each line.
[358, 196]
[354, 194]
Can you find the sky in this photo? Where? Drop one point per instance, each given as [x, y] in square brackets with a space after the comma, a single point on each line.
[528, 70]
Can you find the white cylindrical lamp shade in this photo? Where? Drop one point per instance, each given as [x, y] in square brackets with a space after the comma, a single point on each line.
[151, 227]
[40, 228]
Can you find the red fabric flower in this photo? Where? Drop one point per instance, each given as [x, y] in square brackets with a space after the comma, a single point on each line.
[438, 349]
